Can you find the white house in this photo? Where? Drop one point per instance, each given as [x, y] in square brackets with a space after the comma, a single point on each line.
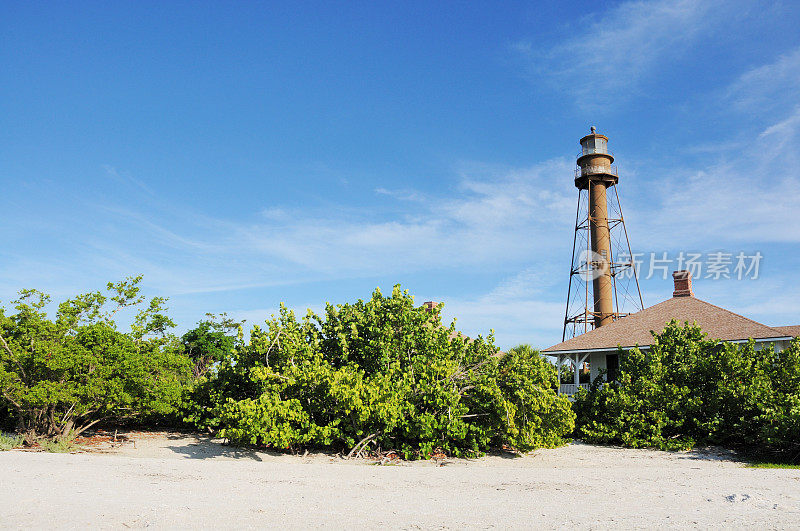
[601, 347]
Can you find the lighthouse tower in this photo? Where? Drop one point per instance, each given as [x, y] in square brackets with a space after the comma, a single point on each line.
[601, 252]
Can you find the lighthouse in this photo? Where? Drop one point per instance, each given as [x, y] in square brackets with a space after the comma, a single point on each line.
[602, 261]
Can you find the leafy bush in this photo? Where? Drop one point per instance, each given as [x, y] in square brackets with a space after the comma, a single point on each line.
[688, 389]
[380, 373]
[59, 377]
[9, 441]
[210, 342]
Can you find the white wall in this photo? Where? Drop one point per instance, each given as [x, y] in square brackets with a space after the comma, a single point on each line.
[597, 361]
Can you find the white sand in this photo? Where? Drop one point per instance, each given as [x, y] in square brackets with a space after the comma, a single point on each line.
[170, 481]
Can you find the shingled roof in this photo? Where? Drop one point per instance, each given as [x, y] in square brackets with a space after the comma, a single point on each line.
[792, 330]
[634, 329]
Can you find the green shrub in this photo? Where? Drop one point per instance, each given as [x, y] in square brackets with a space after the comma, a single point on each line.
[210, 342]
[380, 373]
[59, 445]
[60, 376]
[536, 416]
[9, 441]
[687, 389]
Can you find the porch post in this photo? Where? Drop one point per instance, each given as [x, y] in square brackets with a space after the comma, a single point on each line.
[577, 376]
[558, 363]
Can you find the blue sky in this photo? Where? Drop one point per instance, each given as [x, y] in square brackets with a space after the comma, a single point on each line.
[243, 154]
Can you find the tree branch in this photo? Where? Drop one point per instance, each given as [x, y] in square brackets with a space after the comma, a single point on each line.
[277, 336]
[86, 427]
[12, 356]
[360, 446]
[16, 404]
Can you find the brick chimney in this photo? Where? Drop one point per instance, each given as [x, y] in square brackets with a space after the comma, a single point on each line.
[683, 284]
[430, 305]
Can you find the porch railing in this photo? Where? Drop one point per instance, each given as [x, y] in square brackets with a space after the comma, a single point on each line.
[571, 389]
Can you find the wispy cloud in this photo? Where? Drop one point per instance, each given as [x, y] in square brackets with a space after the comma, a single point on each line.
[768, 88]
[126, 179]
[184, 251]
[479, 225]
[611, 53]
[527, 284]
[515, 318]
[404, 194]
[497, 219]
[748, 193]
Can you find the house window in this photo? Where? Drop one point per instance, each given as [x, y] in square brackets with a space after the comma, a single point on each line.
[612, 367]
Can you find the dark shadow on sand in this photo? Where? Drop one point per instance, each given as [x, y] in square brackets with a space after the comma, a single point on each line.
[208, 448]
[712, 453]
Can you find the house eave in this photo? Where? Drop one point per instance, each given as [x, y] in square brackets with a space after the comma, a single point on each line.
[588, 350]
[614, 349]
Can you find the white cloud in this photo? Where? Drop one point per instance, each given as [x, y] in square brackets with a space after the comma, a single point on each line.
[404, 194]
[752, 198]
[774, 307]
[525, 284]
[126, 179]
[524, 316]
[500, 218]
[490, 221]
[610, 54]
[497, 219]
[748, 194]
[768, 88]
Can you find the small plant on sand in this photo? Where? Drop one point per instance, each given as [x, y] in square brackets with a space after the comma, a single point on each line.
[9, 441]
[773, 465]
[59, 445]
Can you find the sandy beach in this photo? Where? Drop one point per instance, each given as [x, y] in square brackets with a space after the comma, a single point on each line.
[177, 481]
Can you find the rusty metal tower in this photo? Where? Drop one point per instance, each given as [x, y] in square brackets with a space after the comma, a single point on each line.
[601, 251]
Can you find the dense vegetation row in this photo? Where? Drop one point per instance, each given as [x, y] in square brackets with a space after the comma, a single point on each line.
[380, 374]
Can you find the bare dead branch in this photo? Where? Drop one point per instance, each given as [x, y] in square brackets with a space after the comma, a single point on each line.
[87, 426]
[358, 447]
[277, 336]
